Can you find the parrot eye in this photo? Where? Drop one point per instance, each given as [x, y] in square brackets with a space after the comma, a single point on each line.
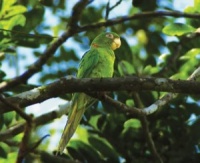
[109, 35]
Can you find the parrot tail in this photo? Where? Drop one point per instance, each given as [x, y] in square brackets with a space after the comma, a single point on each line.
[74, 119]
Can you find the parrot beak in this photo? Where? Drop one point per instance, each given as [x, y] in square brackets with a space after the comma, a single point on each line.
[116, 43]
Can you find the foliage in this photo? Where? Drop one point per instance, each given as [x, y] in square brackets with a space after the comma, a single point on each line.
[153, 46]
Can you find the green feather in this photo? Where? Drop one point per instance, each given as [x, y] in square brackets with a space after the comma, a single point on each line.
[97, 62]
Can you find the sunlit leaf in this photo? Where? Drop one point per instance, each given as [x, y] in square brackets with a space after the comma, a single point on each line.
[142, 37]
[132, 123]
[103, 147]
[150, 70]
[7, 4]
[177, 29]
[192, 54]
[125, 68]
[94, 121]
[130, 102]
[88, 152]
[3, 153]
[197, 4]
[14, 10]
[8, 117]
[3, 150]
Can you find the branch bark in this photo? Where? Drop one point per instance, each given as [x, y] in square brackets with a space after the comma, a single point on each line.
[72, 85]
[144, 15]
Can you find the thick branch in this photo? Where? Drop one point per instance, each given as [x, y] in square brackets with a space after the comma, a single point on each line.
[65, 85]
[169, 96]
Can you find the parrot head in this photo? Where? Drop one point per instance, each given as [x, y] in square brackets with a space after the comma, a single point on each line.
[108, 40]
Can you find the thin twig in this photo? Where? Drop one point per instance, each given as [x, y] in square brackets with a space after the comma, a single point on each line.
[41, 120]
[15, 108]
[144, 15]
[145, 127]
[124, 108]
[24, 148]
[149, 139]
[170, 63]
[109, 9]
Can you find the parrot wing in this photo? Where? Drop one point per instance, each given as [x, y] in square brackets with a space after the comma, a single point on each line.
[80, 100]
[87, 64]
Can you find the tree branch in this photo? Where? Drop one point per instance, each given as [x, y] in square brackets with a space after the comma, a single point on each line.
[109, 9]
[143, 15]
[24, 148]
[16, 109]
[65, 85]
[170, 96]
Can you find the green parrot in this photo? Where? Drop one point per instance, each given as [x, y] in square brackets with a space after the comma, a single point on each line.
[98, 62]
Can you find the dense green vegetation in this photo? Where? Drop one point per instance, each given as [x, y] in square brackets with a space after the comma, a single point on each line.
[154, 44]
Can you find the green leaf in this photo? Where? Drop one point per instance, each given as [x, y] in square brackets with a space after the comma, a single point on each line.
[2, 75]
[11, 157]
[124, 52]
[125, 68]
[190, 59]
[3, 150]
[177, 29]
[33, 18]
[75, 153]
[14, 21]
[8, 11]
[189, 9]
[197, 4]
[2, 55]
[142, 37]
[8, 117]
[15, 10]
[130, 102]
[102, 146]
[191, 54]
[150, 70]
[6, 4]
[1, 122]
[132, 123]
[84, 150]
[94, 121]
